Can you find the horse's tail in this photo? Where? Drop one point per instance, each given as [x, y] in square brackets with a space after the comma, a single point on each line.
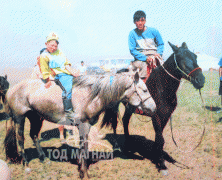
[10, 144]
[110, 116]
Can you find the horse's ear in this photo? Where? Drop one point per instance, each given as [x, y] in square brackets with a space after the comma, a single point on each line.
[184, 45]
[6, 76]
[137, 77]
[175, 48]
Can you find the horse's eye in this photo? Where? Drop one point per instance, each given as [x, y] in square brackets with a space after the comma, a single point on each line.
[145, 90]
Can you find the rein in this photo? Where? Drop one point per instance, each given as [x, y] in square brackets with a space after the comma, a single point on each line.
[135, 91]
[187, 75]
[170, 74]
[171, 126]
[194, 70]
[201, 138]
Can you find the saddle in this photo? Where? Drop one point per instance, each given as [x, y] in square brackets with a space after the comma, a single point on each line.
[156, 61]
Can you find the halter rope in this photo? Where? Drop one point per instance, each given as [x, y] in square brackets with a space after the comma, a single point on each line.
[135, 91]
[201, 138]
[188, 77]
[180, 68]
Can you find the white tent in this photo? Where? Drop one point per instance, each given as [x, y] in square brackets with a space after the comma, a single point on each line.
[206, 62]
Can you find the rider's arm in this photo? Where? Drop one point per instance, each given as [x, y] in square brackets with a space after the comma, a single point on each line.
[133, 47]
[44, 67]
[159, 42]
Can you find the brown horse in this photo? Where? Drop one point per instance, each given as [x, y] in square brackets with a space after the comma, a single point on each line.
[90, 96]
[162, 84]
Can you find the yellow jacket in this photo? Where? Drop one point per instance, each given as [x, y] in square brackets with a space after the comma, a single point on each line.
[53, 63]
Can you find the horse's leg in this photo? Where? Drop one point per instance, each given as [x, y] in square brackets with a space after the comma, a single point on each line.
[35, 127]
[158, 125]
[20, 122]
[111, 117]
[114, 122]
[84, 129]
[126, 118]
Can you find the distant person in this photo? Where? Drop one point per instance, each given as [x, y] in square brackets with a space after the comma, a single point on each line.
[130, 67]
[220, 75]
[82, 68]
[145, 45]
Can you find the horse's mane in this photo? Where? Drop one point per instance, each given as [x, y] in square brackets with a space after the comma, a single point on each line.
[109, 88]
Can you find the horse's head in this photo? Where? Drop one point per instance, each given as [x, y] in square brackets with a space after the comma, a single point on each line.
[138, 95]
[4, 85]
[186, 63]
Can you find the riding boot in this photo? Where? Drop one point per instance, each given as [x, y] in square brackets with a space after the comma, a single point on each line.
[68, 108]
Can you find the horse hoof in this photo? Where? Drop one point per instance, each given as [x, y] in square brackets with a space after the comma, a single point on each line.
[63, 141]
[164, 172]
[83, 175]
[100, 136]
[117, 149]
[48, 162]
[28, 170]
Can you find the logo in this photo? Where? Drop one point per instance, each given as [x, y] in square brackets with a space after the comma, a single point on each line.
[96, 151]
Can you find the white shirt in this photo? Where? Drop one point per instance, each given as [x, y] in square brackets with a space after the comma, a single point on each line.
[82, 69]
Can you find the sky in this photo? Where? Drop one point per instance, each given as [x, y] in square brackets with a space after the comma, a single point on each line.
[91, 30]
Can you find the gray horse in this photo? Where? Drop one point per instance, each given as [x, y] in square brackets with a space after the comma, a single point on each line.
[90, 96]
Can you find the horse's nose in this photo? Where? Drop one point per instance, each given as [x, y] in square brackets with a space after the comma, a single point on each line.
[199, 81]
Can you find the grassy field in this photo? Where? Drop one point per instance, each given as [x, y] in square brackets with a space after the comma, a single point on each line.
[188, 122]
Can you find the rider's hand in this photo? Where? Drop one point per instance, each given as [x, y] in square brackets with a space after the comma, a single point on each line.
[48, 84]
[157, 55]
[149, 59]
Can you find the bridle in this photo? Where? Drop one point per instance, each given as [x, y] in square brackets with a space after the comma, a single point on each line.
[3, 91]
[136, 91]
[188, 76]
[189, 79]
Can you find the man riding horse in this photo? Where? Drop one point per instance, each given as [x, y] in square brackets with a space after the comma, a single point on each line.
[145, 45]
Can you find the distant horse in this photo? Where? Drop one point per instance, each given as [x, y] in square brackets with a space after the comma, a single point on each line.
[4, 85]
[162, 84]
[90, 96]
